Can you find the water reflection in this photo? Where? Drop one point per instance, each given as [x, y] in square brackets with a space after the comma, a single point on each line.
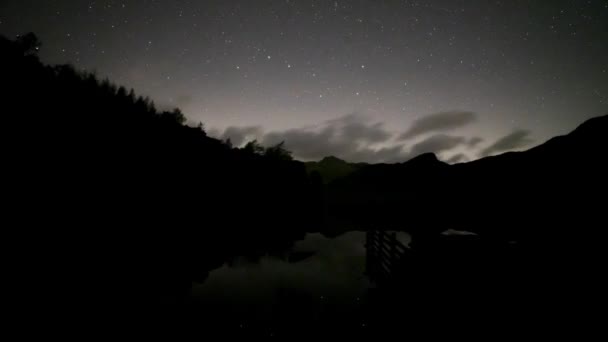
[319, 278]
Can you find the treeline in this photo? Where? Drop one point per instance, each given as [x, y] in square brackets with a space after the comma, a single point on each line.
[126, 184]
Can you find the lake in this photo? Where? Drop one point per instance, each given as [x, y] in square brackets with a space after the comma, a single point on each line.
[320, 280]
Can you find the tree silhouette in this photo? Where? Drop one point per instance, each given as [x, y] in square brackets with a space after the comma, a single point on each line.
[254, 148]
[228, 143]
[90, 154]
[28, 43]
[174, 116]
[278, 152]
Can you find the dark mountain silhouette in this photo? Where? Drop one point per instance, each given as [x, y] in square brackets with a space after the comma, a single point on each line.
[332, 168]
[538, 216]
[379, 194]
[563, 172]
[535, 260]
[550, 186]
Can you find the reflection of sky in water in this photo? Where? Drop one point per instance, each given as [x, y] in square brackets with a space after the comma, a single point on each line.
[331, 280]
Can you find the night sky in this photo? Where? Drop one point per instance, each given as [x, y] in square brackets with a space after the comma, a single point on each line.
[365, 80]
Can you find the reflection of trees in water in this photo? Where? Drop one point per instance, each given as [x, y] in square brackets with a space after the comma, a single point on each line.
[318, 291]
[334, 266]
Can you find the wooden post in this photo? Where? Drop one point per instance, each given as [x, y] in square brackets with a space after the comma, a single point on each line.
[393, 260]
[369, 247]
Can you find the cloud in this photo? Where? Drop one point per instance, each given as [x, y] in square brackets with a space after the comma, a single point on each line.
[515, 140]
[443, 121]
[474, 141]
[457, 158]
[437, 143]
[239, 135]
[308, 144]
[394, 154]
[357, 138]
[356, 127]
[214, 132]
[351, 137]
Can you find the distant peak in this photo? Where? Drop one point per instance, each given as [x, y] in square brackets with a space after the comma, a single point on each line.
[597, 124]
[332, 159]
[425, 158]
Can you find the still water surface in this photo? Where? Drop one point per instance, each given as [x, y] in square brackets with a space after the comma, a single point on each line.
[321, 278]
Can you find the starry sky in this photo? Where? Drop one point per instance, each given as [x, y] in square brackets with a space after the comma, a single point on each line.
[365, 80]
